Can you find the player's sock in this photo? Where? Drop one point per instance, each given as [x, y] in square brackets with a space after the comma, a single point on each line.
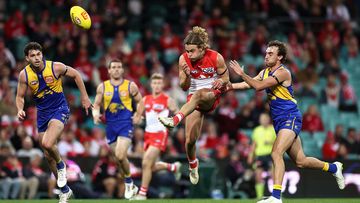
[178, 118]
[193, 163]
[128, 178]
[276, 191]
[60, 164]
[65, 189]
[143, 191]
[171, 167]
[329, 167]
[259, 187]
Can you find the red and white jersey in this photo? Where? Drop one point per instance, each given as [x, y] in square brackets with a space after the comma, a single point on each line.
[203, 72]
[154, 108]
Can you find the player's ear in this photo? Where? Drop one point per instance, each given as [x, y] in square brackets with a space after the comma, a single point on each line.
[280, 58]
[27, 59]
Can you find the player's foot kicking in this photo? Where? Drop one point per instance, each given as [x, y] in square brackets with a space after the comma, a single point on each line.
[194, 173]
[339, 176]
[130, 190]
[270, 199]
[139, 197]
[64, 197]
[167, 122]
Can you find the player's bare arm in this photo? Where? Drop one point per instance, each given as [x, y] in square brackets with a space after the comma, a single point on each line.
[223, 73]
[184, 74]
[136, 95]
[280, 76]
[20, 95]
[172, 105]
[97, 103]
[63, 70]
[244, 85]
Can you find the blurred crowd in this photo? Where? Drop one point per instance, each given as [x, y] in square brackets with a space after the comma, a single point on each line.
[323, 41]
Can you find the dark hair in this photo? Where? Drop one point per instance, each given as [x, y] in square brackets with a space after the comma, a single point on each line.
[114, 61]
[281, 49]
[32, 46]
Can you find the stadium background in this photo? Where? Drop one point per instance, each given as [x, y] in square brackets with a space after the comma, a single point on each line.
[147, 36]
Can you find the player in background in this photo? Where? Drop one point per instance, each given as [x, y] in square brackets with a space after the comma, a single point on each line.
[156, 135]
[43, 77]
[117, 96]
[287, 119]
[202, 71]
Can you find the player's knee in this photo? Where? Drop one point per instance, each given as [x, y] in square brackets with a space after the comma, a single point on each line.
[300, 163]
[275, 155]
[120, 156]
[46, 145]
[146, 163]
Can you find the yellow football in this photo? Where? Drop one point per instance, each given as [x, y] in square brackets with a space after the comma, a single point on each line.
[80, 17]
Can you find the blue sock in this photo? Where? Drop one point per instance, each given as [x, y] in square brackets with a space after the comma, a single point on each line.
[60, 165]
[65, 189]
[332, 168]
[128, 179]
[276, 191]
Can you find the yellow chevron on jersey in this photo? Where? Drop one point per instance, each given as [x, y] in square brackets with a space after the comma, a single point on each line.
[48, 76]
[278, 91]
[124, 94]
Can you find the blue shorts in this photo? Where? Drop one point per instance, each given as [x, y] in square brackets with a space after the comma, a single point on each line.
[292, 122]
[114, 129]
[62, 114]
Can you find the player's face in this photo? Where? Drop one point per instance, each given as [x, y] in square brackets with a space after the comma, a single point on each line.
[116, 70]
[157, 85]
[194, 52]
[34, 57]
[272, 57]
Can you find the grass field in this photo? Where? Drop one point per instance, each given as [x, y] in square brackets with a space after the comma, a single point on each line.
[343, 200]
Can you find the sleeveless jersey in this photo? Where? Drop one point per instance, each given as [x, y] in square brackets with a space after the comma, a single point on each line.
[154, 108]
[46, 88]
[280, 98]
[117, 101]
[203, 72]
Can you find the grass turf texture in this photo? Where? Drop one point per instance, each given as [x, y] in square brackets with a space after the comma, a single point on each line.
[347, 200]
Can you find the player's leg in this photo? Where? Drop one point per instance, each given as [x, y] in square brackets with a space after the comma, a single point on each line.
[149, 159]
[48, 143]
[193, 126]
[283, 141]
[296, 153]
[203, 99]
[120, 148]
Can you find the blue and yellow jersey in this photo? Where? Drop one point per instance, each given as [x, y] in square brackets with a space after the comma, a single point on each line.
[46, 88]
[280, 98]
[117, 101]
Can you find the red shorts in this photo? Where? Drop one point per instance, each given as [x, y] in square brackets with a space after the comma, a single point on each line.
[158, 140]
[213, 107]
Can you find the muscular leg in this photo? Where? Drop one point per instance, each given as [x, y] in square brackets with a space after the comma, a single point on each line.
[296, 153]
[148, 163]
[48, 141]
[203, 98]
[193, 126]
[120, 148]
[284, 140]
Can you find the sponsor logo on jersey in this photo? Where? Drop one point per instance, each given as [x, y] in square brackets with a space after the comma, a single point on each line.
[34, 82]
[208, 70]
[108, 93]
[124, 93]
[49, 79]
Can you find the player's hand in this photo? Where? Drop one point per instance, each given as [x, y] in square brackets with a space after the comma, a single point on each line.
[97, 119]
[229, 86]
[217, 84]
[184, 67]
[86, 104]
[137, 119]
[21, 115]
[236, 67]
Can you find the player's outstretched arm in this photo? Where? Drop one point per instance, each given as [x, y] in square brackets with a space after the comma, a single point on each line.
[20, 94]
[97, 103]
[184, 74]
[61, 69]
[135, 93]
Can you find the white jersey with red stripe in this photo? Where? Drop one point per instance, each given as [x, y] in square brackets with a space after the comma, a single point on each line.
[203, 72]
[155, 107]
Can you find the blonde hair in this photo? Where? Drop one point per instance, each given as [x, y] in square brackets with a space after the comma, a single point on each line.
[198, 36]
[157, 76]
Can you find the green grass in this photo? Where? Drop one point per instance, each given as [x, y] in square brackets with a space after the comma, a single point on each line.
[347, 200]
